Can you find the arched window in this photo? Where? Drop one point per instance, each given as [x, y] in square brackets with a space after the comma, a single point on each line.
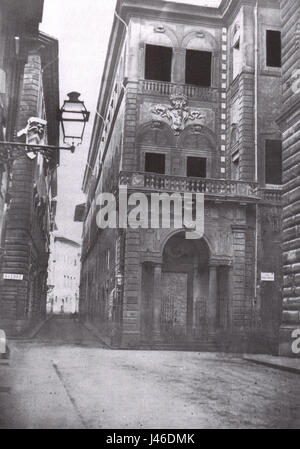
[198, 152]
[157, 44]
[200, 48]
[155, 141]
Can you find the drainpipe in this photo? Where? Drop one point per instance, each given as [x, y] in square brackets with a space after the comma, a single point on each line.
[256, 143]
[126, 38]
[126, 57]
[97, 112]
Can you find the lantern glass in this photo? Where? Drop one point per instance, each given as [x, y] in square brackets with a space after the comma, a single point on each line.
[119, 279]
[73, 116]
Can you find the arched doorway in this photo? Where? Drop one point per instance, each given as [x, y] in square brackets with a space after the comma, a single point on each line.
[184, 286]
[175, 291]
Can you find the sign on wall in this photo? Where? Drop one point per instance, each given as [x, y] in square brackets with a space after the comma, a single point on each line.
[267, 277]
[13, 276]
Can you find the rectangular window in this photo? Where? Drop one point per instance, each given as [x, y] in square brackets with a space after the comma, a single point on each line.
[196, 167]
[158, 63]
[273, 162]
[273, 48]
[198, 68]
[107, 258]
[236, 59]
[155, 163]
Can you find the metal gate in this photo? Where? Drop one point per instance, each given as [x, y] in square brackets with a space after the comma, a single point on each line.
[173, 316]
[167, 318]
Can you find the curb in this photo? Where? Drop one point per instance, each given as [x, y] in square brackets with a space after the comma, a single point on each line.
[273, 365]
[31, 335]
[96, 334]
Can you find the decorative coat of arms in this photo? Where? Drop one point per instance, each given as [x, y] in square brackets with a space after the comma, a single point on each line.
[177, 113]
[35, 133]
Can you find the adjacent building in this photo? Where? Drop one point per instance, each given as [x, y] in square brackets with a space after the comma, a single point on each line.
[188, 104]
[17, 26]
[30, 100]
[63, 276]
[290, 125]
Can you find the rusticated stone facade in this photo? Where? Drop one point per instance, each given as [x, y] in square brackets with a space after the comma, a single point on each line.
[16, 21]
[290, 124]
[152, 287]
[23, 282]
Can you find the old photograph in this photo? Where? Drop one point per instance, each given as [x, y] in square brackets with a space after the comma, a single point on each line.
[150, 217]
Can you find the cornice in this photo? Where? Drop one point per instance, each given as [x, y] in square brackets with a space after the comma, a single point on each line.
[49, 56]
[114, 47]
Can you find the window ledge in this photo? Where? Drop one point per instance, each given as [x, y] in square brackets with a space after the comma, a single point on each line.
[274, 186]
[271, 71]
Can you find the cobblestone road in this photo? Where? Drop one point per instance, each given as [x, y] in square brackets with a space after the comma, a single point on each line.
[65, 379]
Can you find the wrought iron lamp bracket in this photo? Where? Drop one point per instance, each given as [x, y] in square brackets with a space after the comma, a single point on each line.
[9, 151]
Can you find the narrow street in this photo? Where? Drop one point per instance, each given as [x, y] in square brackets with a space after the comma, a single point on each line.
[65, 378]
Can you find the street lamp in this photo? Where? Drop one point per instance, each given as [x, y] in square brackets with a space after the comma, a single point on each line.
[73, 117]
[119, 279]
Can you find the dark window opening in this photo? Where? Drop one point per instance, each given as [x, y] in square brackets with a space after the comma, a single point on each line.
[273, 162]
[236, 169]
[196, 167]
[158, 63]
[155, 163]
[198, 68]
[236, 59]
[273, 48]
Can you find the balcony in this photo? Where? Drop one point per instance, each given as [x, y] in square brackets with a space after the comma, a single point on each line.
[161, 88]
[238, 190]
[271, 195]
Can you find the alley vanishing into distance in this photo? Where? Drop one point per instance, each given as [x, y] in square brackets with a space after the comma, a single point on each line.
[65, 378]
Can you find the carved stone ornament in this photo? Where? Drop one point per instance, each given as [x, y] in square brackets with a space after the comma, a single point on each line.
[177, 113]
[35, 133]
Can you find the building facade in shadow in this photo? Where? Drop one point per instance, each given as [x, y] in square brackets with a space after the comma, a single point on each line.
[29, 103]
[188, 104]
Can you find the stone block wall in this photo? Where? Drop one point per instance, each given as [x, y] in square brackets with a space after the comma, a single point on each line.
[24, 252]
[290, 124]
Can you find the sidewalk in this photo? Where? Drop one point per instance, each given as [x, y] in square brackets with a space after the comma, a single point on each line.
[94, 331]
[291, 364]
[29, 334]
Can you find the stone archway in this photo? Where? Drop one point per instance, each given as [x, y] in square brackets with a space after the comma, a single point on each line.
[185, 292]
[184, 286]
[175, 290]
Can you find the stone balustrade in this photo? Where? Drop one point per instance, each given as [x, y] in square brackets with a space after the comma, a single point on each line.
[165, 88]
[271, 195]
[168, 183]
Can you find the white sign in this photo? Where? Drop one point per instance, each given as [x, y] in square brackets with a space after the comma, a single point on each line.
[2, 342]
[14, 277]
[267, 277]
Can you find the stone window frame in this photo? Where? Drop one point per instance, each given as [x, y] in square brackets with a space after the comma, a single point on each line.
[236, 35]
[264, 69]
[157, 150]
[234, 151]
[205, 154]
[173, 43]
[179, 53]
[262, 145]
[144, 63]
[214, 48]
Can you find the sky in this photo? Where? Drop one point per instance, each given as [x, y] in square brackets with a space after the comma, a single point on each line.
[82, 28]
